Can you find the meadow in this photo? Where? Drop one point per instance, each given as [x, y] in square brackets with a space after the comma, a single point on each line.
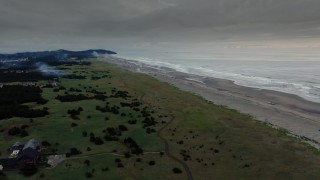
[181, 135]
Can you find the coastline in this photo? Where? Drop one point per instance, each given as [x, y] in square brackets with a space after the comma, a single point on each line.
[298, 116]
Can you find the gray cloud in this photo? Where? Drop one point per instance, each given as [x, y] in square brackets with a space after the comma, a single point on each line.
[56, 23]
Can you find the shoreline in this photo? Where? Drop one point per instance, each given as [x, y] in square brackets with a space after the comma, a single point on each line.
[298, 116]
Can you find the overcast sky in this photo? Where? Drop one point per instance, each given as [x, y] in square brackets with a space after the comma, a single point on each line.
[130, 24]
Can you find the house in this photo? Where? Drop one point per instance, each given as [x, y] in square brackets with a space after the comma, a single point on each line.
[21, 154]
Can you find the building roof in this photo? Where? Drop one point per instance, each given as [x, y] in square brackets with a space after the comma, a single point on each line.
[18, 143]
[30, 153]
[32, 143]
[8, 163]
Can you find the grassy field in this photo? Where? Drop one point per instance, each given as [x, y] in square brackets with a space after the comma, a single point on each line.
[215, 142]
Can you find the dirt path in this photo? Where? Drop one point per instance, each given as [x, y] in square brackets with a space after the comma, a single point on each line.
[167, 150]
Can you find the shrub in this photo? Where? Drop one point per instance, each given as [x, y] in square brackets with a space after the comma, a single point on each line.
[89, 175]
[24, 133]
[73, 151]
[120, 165]
[84, 134]
[45, 143]
[152, 163]
[133, 121]
[98, 141]
[176, 170]
[123, 128]
[127, 155]
[87, 162]
[74, 124]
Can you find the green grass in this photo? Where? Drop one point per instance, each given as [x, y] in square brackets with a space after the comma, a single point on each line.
[210, 134]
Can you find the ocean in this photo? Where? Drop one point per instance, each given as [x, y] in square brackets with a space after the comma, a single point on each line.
[280, 73]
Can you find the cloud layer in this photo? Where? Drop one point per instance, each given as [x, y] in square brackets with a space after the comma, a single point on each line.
[37, 24]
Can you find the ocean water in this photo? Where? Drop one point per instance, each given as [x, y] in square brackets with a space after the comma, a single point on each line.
[280, 73]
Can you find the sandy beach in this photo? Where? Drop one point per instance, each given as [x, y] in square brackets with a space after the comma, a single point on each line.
[293, 113]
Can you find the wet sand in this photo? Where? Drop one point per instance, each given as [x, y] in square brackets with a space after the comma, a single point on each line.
[293, 113]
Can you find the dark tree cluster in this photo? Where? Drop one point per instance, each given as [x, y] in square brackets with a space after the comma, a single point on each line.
[3, 175]
[132, 121]
[130, 105]
[70, 63]
[72, 98]
[99, 77]
[93, 91]
[75, 112]
[89, 175]
[176, 170]
[119, 94]
[122, 128]
[16, 75]
[73, 151]
[152, 163]
[74, 76]
[17, 131]
[28, 170]
[185, 155]
[100, 97]
[133, 146]
[12, 100]
[74, 90]
[111, 134]
[18, 94]
[148, 121]
[96, 140]
[74, 124]
[45, 144]
[119, 163]
[113, 109]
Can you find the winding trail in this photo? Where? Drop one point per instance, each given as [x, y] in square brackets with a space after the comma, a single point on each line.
[167, 150]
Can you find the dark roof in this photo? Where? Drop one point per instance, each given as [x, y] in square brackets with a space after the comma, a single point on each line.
[32, 143]
[8, 163]
[29, 152]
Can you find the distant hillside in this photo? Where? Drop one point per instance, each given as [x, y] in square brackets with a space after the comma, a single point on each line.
[55, 55]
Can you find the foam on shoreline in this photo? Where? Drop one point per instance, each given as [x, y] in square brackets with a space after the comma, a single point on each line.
[306, 89]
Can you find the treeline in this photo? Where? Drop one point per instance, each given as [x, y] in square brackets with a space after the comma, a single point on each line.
[13, 97]
[23, 76]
